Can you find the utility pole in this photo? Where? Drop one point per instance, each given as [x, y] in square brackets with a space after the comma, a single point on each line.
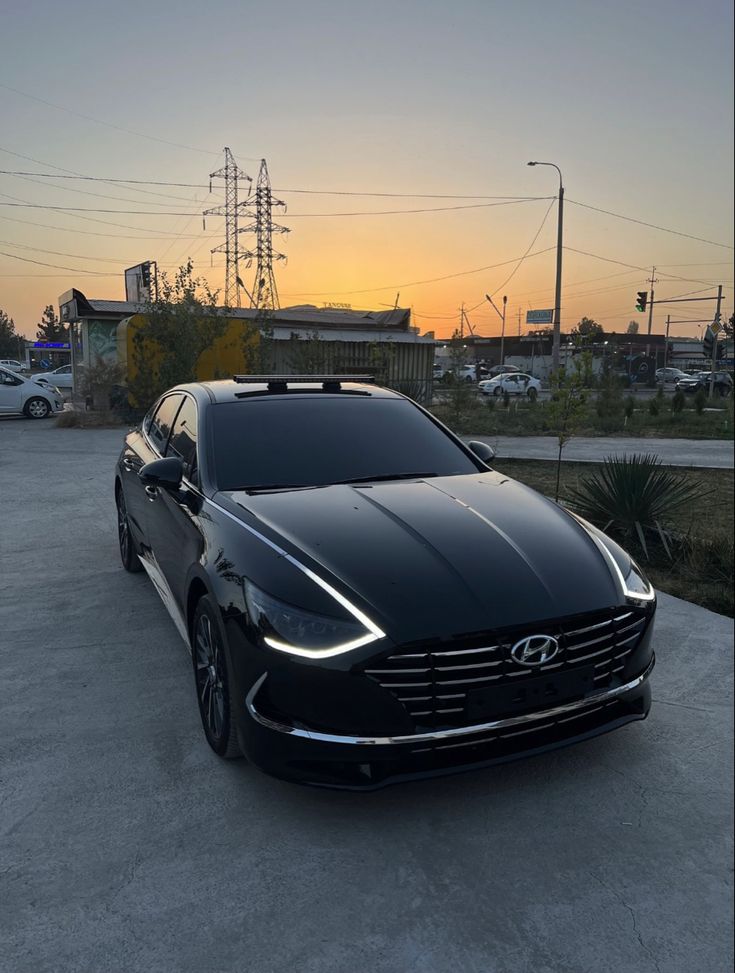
[461, 321]
[556, 341]
[666, 342]
[231, 173]
[519, 322]
[714, 343]
[652, 281]
[502, 333]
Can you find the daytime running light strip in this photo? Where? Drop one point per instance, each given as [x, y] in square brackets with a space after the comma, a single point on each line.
[373, 629]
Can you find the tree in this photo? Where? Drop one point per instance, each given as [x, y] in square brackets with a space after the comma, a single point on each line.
[728, 327]
[633, 327]
[567, 405]
[50, 328]
[588, 328]
[10, 340]
[181, 322]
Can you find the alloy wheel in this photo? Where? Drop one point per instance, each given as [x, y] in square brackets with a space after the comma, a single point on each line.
[123, 530]
[208, 665]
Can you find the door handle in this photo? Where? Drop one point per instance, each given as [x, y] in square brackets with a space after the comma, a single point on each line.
[128, 465]
[151, 492]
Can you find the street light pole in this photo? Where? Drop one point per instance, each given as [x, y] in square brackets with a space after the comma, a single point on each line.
[556, 341]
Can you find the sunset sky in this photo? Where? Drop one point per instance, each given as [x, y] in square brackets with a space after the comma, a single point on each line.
[633, 101]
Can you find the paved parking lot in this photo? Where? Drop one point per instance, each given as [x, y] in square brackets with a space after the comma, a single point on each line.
[128, 846]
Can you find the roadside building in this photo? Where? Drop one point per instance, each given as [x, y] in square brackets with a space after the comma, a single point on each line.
[339, 340]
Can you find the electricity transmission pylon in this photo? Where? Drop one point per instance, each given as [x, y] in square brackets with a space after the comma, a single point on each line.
[231, 173]
[265, 293]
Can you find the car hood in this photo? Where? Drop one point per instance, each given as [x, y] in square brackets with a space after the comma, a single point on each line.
[443, 556]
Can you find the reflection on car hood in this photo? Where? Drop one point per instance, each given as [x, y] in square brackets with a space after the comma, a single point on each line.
[444, 555]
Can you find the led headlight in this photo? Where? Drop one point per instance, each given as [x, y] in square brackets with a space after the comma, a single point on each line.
[637, 585]
[298, 632]
[632, 580]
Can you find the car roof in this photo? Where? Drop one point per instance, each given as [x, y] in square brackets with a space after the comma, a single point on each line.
[237, 389]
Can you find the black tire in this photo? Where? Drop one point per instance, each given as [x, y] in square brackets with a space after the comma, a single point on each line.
[37, 408]
[533, 394]
[213, 680]
[130, 560]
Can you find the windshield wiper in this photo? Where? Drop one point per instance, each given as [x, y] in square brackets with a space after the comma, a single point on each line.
[272, 487]
[387, 476]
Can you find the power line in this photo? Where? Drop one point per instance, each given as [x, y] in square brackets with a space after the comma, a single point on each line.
[87, 192]
[138, 212]
[414, 283]
[62, 173]
[309, 192]
[41, 263]
[99, 121]
[653, 226]
[116, 236]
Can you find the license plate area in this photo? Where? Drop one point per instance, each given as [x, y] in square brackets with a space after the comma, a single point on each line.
[526, 694]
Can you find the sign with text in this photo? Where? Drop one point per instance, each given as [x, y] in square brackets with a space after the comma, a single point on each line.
[540, 317]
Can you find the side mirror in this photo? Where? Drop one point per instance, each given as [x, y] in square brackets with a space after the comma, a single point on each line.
[166, 473]
[481, 450]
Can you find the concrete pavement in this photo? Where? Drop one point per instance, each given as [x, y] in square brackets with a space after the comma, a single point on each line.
[710, 453]
[128, 846]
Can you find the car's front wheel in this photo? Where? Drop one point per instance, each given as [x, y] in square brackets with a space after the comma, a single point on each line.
[497, 390]
[37, 408]
[213, 678]
[130, 560]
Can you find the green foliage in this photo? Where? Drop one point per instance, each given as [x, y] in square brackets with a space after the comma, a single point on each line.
[653, 406]
[678, 401]
[629, 407]
[99, 383]
[567, 406]
[50, 328]
[632, 496]
[609, 405]
[700, 401]
[10, 340]
[490, 404]
[506, 400]
[462, 395]
[182, 321]
[307, 356]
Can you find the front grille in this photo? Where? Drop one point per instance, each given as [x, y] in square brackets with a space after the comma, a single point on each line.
[432, 680]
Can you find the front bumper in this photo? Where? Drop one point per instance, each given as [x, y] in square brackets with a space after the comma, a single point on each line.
[295, 752]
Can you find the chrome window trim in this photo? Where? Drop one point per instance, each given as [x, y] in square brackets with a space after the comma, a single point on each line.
[593, 700]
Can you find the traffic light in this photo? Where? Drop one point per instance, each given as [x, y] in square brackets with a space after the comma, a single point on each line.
[708, 342]
[640, 304]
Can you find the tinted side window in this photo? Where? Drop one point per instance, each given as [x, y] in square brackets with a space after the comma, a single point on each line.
[162, 421]
[183, 441]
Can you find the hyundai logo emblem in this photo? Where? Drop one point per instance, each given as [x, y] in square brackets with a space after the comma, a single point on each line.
[535, 650]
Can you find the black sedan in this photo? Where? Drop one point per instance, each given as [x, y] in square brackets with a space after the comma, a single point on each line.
[364, 599]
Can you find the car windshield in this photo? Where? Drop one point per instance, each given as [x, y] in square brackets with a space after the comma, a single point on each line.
[302, 441]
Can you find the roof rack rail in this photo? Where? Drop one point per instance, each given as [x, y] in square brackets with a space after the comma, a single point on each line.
[280, 383]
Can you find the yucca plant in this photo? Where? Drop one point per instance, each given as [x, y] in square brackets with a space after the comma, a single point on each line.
[633, 496]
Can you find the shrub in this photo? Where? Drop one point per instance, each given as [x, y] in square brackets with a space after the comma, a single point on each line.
[700, 401]
[506, 400]
[653, 407]
[632, 496]
[629, 407]
[490, 404]
[678, 401]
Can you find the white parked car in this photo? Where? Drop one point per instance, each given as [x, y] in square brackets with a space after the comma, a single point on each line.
[60, 377]
[12, 364]
[23, 396]
[516, 383]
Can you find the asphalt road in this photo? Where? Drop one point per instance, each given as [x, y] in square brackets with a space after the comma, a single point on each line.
[128, 846]
[710, 453]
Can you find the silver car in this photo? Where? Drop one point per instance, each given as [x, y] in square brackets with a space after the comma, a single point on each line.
[23, 396]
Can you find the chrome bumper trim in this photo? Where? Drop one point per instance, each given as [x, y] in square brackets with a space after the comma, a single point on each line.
[460, 731]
